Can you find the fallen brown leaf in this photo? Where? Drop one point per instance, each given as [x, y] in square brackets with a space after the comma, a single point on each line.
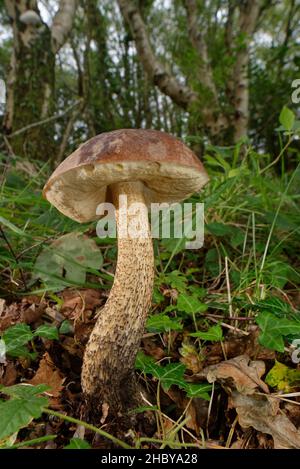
[76, 302]
[264, 414]
[243, 373]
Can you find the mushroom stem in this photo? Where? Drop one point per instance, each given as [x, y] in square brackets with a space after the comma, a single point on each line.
[108, 364]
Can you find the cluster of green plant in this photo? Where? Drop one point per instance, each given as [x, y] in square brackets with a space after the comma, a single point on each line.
[248, 266]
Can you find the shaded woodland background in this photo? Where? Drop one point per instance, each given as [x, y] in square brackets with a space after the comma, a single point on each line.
[217, 71]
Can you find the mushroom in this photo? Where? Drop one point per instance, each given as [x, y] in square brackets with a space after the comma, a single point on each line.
[147, 166]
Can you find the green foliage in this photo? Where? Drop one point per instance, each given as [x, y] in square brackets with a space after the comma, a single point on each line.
[25, 403]
[274, 329]
[17, 337]
[73, 254]
[163, 323]
[171, 374]
[214, 334]
[77, 443]
[282, 377]
[287, 118]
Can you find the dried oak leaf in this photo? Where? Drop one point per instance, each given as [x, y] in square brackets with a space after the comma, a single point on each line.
[47, 373]
[240, 372]
[264, 414]
[76, 302]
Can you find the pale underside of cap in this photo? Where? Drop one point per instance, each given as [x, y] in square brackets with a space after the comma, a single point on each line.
[169, 171]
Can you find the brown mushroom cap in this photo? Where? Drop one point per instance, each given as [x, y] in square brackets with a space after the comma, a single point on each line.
[170, 171]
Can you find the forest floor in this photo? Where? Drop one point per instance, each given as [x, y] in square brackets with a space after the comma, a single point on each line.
[218, 363]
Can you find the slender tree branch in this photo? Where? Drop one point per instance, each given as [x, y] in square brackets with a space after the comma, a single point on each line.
[44, 121]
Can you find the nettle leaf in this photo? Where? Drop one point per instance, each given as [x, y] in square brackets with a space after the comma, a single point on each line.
[71, 255]
[46, 331]
[214, 334]
[77, 443]
[287, 118]
[24, 405]
[274, 329]
[16, 338]
[163, 323]
[190, 304]
[169, 375]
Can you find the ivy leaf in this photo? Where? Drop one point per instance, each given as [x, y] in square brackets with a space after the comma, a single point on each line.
[47, 331]
[282, 377]
[15, 338]
[25, 404]
[287, 118]
[274, 329]
[214, 334]
[163, 323]
[77, 443]
[219, 229]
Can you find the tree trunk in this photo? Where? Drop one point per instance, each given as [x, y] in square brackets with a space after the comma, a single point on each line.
[31, 79]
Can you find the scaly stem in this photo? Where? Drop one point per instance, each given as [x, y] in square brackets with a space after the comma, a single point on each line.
[108, 365]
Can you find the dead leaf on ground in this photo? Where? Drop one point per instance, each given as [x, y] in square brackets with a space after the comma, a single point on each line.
[264, 414]
[244, 373]
[29, 310]
[47, 373]
[235, 345]
[76, 302]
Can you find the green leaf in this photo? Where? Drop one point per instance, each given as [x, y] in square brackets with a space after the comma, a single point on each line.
[24, 405]
[198, 390]
[15, 338]
[12, 227]
[219, 229]
[175, 279]
[66, 328]
[214, 334]
[47, 331]
[274, 329]
[162, 323]
[190, 304]
[77, 443]
[287, 118]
